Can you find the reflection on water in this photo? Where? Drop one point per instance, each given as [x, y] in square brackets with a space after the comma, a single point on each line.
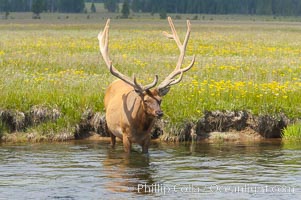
[126, 171]
[92, 170]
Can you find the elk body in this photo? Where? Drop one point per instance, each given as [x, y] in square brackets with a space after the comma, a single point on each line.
[131, 108]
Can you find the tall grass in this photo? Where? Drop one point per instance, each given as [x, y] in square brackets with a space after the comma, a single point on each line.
[239, 65]
[292, 133]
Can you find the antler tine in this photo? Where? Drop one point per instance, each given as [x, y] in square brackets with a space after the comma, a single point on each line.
[153, 84]
[169, 80]
[181, 72]
[174, 32]
[103, 38]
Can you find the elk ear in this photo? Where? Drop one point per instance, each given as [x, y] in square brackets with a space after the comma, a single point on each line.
[163, 91]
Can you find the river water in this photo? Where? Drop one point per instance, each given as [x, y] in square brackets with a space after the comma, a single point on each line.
[92, 170]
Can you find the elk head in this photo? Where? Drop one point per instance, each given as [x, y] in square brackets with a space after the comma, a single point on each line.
[151, 96]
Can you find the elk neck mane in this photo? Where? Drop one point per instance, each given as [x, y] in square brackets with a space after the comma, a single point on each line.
[134, 109]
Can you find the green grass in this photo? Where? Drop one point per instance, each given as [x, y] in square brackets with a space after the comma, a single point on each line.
[292, 133]
[247, 65]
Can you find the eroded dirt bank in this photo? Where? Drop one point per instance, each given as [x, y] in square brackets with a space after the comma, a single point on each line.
[226, 125]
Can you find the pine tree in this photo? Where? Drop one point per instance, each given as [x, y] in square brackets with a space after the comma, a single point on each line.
[125, 9]
[163, 14]
[37, 7]
[111, 5]
[135, 6]
[93, 8]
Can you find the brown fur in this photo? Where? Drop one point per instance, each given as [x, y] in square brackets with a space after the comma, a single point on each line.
[130, 115]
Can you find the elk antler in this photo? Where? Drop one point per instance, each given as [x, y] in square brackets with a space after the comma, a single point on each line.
[164, 87]
[103, 38]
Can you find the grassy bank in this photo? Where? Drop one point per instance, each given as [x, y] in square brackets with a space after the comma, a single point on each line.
[240, 65]
[292, 133]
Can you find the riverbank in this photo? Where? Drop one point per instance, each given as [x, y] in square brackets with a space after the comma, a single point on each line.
[20, 126]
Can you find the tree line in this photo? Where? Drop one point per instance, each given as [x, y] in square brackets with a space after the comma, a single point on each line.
[250, 7]
[68, 6]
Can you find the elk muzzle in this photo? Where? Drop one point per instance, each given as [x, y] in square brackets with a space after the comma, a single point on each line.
[159, 113]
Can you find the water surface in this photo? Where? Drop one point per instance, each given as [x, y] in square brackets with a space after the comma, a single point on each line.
[92, 170]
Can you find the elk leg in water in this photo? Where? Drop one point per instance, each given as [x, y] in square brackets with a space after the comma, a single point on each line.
[126, 144]
[145, 145]
[113, 140]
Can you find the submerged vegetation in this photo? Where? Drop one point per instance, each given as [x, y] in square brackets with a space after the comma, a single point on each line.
[252, 66]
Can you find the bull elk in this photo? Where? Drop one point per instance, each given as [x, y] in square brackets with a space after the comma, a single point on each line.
[131, 108]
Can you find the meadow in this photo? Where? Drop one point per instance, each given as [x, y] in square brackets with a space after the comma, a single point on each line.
[240, 65]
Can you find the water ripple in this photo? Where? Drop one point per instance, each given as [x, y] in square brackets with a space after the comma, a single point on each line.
[92, 170]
